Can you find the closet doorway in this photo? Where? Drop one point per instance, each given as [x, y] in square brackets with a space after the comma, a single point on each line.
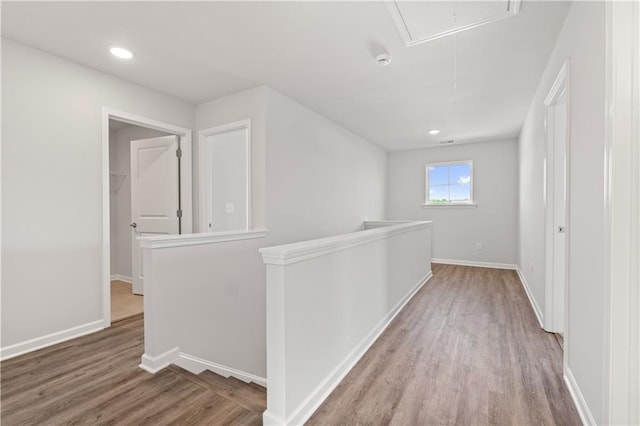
[124, 141]
[146, 190]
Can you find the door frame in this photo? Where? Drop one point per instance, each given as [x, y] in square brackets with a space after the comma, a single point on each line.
[560, 86]
[203, 169]
[186, 195]
[621, 343]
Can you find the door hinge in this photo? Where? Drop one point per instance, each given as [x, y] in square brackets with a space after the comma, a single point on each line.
[179, 152]
[179, 213]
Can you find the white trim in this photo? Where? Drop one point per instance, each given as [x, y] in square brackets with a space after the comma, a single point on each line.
[373, 224]
[49, 339]
[166, 241]
[451, 206]
[471, 202]
[296, 252]
[475, 263]
[185, 189]
[197, 365]
[154, 364]
[560, 87]
[578, 398]
[532, 301]
[122, 278]
[194, 365]
[513, 9]
[203, 170]
[621, 348]
[268, 419]
[310, 404]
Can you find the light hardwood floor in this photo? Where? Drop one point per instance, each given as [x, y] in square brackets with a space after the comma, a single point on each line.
[95, 380]
[466, 350]
[124, 304]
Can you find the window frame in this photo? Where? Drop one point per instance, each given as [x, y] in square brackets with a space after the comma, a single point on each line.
[470, 203]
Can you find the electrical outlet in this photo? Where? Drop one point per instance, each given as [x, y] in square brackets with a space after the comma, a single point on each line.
[478, 246]
[229, 207]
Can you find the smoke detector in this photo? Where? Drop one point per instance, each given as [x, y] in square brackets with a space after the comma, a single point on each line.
[383, 59]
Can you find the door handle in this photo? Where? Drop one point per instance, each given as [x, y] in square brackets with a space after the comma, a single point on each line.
[133, 225]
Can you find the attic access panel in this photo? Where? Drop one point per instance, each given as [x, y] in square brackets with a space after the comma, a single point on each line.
[422, 21]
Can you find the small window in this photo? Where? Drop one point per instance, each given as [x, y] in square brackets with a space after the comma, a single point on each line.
[449, 183]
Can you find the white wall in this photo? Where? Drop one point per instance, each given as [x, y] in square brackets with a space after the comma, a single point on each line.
[310, 176]
[52, 186]
[319, 180]
[456, 230]
[209, 301]
[582, 40]
[327, 301]
[249, 104]
[120, 201]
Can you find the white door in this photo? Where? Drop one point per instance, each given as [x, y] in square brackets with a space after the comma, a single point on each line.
[559, 211]
[154, 195]
[226, 185]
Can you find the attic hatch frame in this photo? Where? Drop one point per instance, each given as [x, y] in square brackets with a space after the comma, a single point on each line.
[513, 8]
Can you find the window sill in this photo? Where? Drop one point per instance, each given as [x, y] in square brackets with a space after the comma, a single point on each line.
[450, 206]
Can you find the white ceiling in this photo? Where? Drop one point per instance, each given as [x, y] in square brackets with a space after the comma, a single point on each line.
[319, 53]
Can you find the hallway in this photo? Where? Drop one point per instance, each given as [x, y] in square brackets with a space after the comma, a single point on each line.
[466, 350]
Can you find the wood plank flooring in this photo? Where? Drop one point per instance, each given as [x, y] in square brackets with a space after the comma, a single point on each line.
[466, 350]
[124, 304]
[95, 380]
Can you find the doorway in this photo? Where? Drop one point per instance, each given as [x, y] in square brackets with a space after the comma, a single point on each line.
[225, 177]
[124, 145]
[146, 191]
[557, 205]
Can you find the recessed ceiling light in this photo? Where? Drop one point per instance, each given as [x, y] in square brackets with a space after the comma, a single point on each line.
[434, 131]
[121, 52]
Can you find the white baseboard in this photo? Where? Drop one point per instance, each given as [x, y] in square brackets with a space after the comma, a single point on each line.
[532, 300]
[311, 403]
[50, 339]
[197, 365]
[578, 398]
[123, 278]
[476, 264]
[155, 364]
[269, 419]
